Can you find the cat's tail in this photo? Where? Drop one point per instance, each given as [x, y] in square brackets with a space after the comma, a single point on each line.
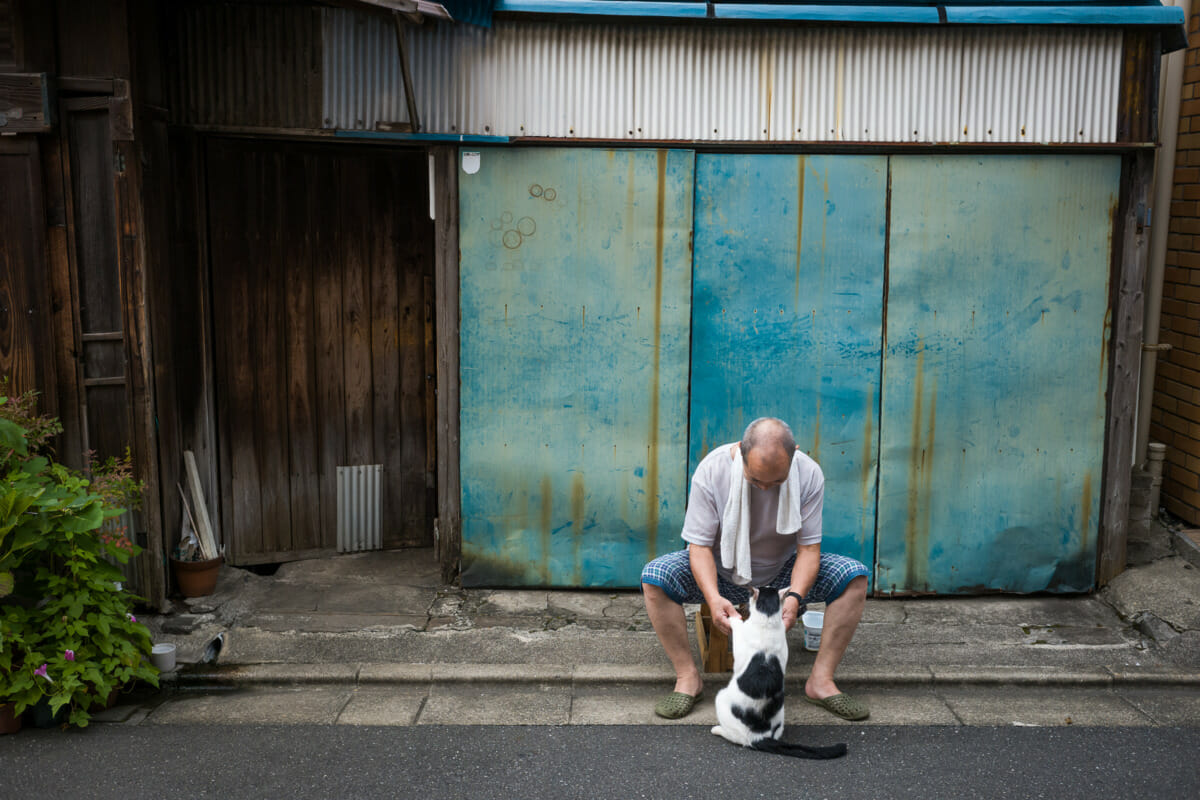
[800, 750]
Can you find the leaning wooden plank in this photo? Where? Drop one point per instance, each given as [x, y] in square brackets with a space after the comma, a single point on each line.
[208, 542]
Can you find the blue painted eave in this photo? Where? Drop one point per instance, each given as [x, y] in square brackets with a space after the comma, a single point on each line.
[1130, 14]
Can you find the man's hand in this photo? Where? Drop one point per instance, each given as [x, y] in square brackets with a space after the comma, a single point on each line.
[791, 612]
[722, 610]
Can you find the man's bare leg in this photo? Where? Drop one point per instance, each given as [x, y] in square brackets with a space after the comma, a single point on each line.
[841, 620]
[670, 624]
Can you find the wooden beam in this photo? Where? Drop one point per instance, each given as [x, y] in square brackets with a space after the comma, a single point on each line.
[1131, 245]
[406, 71]
[204, 528]
[449, 538]
[131, 254]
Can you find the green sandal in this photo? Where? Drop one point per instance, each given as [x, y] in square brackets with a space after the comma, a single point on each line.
[842, 705]
[676, 705]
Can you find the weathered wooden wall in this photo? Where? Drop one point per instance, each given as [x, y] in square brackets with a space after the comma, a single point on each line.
[322, 267]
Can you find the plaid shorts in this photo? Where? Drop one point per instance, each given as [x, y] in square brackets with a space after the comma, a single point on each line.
[673, 574]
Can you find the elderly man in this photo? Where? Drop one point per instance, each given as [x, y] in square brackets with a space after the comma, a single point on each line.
[739, 536]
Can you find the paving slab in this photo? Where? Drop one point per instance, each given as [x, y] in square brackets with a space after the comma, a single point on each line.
[289, 599]
[1039, 706]
[1007, 610]
[1166, 706]
[481, 704]
[888, 707]
[408, 567]
[310, 705]
[399, 705]
[633, 704]
[379, 598]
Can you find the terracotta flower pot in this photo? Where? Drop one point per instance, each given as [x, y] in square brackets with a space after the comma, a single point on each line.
[196, 578]
[9, 722]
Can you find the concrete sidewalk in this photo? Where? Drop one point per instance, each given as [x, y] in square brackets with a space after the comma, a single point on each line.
[378, 634]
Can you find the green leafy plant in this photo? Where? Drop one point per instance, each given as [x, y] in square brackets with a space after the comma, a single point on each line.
[68, 633]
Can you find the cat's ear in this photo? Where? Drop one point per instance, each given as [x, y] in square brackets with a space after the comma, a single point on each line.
[753, 594]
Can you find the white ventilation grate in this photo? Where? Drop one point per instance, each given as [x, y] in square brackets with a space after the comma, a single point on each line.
[358, 508]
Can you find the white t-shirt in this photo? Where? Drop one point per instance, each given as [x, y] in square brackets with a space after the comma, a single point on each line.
[768, 550]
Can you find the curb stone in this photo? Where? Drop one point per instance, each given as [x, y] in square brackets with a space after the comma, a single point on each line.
[604, 674]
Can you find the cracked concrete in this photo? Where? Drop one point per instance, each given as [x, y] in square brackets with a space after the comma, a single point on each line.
[379, 619]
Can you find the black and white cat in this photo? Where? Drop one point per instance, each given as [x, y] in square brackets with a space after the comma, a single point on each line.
[750, 708]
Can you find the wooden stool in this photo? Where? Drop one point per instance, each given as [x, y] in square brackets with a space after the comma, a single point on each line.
[716, 651]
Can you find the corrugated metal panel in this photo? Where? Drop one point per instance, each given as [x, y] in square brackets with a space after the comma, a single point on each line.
[788, 299]
[359, 500]
[575, 307]
[995, 370]
[540, 79]
[900, 86]
[248, 65]
[758, 83]
[1041, 85]
[363, 82]
[263, 65]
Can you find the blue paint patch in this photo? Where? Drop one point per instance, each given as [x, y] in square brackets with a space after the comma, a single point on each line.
[574, 363]
[791, 326]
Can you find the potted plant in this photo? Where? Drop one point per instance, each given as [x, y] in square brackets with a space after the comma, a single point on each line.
[74, 637]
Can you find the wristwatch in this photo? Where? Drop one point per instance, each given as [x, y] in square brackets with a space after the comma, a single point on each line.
[799, 600]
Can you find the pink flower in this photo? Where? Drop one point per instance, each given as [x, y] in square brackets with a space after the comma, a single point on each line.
[42, 673]
[70, 655]
[132, 618]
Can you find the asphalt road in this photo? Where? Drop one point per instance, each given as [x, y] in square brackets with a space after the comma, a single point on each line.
[296, 762]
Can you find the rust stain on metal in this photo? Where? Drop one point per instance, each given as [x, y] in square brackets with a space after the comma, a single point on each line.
[652, 448]
[916, 533]
[800, 167]
[868, 462]
[578, 494]
[547, 522]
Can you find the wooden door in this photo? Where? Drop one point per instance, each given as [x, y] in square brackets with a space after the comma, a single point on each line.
[322, 263]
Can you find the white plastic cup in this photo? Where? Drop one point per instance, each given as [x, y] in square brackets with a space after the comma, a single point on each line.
[162, 656]
[813, 622]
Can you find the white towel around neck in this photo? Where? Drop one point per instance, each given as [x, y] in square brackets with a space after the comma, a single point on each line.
[735, 520]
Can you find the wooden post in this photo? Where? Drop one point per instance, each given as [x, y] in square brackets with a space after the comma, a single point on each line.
[1131, 246]
[406, 71]
[449, 538]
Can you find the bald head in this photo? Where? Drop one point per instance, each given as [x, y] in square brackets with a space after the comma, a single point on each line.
[767, 449]
[769, 433]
